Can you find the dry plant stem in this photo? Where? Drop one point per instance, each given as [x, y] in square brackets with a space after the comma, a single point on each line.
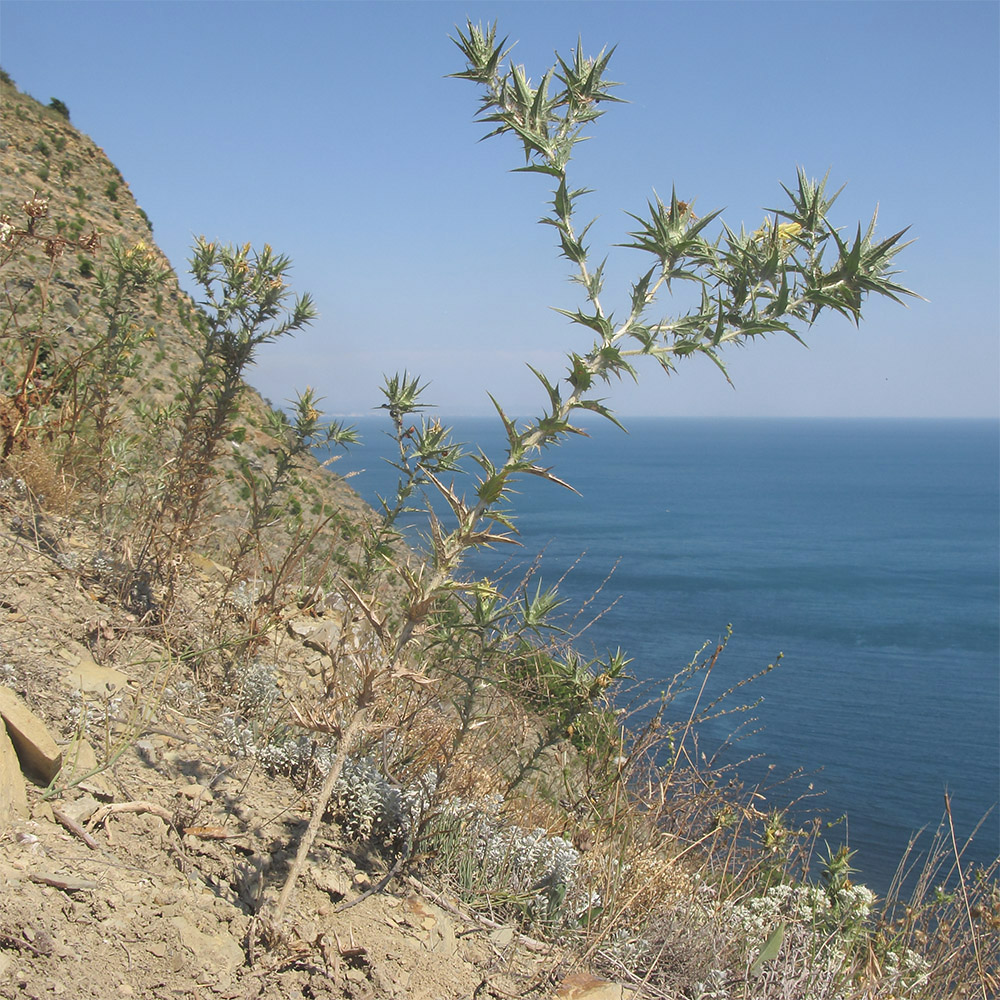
[305, 845]
[687, 727]
[965, 896]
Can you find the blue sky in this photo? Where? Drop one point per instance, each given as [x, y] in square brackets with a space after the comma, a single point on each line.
[330, 131]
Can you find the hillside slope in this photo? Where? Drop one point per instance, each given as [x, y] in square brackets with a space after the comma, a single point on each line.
[43, 157]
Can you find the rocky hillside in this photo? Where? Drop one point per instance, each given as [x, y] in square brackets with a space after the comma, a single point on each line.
[43, 156]
[51, 289]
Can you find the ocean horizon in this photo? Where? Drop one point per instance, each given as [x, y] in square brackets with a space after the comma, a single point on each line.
[865, 550]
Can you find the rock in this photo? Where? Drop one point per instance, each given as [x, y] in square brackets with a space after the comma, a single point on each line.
[91, 678]
[79, 759]
[36, 750]
[81, 809]
[208, 568]
[65, 882]
[13, 797]
[502, 937]
[583, 986]
[318, 664]
[324, 637]
[198, 794]
[301, 629]
[331, 881]
[41, 812]
[213, 953]
[431, 925]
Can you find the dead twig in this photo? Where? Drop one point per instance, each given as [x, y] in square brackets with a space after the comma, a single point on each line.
[104, 812]
[75, 829]
[64, 882]
[381, 884]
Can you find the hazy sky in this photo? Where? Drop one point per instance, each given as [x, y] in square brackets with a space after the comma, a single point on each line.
[330, 131]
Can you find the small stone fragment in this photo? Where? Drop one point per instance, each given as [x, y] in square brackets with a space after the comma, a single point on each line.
[64, 882]
[207, 568]
[197, 793]
[81, 809]
[432, 925]
[93, 678]
[330, 880]
[583, 986]
[216, 953]
[502, 936]
[324, 637]
[301, 629]
[78, 758]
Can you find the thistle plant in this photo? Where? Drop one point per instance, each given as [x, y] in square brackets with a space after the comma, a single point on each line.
[777, 279]
[245, 304]
[750, 285]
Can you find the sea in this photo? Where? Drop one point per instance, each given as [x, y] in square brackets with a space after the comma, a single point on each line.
[867, 552]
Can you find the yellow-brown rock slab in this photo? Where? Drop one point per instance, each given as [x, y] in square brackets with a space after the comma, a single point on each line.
[13, 798]
[36, 750]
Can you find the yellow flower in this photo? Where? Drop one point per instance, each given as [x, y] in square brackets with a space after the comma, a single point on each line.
[787, 231]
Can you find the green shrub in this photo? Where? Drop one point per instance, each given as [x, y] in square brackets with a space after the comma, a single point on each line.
[112, 190]
[59, 107]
